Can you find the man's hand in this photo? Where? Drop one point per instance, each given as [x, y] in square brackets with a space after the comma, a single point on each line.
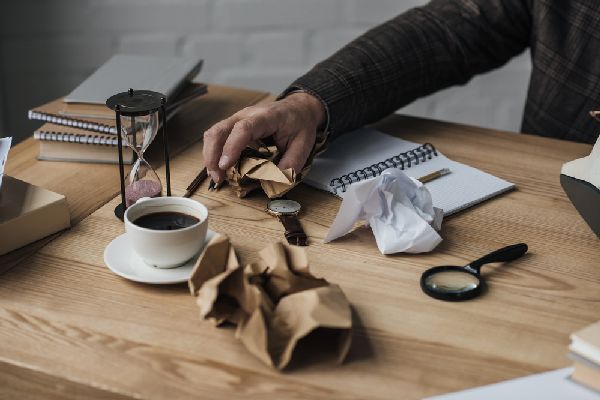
[292, 122]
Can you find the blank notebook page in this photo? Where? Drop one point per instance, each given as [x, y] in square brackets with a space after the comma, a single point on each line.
[463, 187]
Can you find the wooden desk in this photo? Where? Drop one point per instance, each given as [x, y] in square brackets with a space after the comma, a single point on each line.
[69, 328]
[89, 186]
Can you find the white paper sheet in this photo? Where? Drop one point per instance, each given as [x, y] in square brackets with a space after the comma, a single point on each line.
[4, 148]
[356, 150]
[586, 168]
[398, 209]
[553, 385]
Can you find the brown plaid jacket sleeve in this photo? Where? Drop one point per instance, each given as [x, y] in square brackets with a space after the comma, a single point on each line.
[446, 42]
[419, 52]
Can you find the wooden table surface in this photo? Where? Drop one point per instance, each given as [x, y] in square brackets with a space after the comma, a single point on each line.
[89, 186]
[70, 328]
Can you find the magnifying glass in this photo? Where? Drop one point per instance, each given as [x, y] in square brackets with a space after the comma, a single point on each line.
[453, 283]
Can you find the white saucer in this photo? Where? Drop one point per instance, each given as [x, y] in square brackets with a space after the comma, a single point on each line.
[120, 258]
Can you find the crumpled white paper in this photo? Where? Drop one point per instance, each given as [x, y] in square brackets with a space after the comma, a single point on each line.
[4, 148]
[586, 168]
[397, 207]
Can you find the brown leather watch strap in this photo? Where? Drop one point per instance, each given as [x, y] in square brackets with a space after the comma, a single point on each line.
[293, 230]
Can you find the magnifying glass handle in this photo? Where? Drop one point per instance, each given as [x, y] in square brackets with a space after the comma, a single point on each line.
[507, 253]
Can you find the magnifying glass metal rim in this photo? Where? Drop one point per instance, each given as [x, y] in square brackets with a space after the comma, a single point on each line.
[504, 254]
[452, 295]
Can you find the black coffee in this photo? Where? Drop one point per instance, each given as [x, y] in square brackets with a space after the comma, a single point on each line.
[166, 221]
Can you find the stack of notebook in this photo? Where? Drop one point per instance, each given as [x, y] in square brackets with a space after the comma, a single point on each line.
[585, 353]
[79, 127]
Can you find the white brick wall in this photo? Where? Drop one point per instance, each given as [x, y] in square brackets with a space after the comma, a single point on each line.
[48, 47]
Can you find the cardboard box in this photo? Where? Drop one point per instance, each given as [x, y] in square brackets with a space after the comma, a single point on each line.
[29, 213]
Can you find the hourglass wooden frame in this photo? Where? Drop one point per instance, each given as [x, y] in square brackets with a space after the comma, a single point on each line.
[125, 105]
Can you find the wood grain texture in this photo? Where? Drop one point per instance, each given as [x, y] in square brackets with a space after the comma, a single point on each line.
[25, 383]
[89, 186]
[64, 314]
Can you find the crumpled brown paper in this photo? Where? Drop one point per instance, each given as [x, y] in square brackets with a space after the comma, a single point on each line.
[275, 302]
[257, 167]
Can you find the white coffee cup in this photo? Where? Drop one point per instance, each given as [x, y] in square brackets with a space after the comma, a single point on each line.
[172, 248]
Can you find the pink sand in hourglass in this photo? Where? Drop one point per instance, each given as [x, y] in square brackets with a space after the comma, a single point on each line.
[141, 188]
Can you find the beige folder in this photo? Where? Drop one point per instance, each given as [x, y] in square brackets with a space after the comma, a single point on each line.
[29, 213]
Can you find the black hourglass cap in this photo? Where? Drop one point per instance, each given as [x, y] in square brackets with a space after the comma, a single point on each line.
[136, 102]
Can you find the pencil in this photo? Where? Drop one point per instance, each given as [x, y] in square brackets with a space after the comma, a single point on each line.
[212, 186]
[434, 175]
[195, 184]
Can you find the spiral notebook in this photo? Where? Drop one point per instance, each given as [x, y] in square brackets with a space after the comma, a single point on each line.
[60, 113]
[66, 143]
[365, 153]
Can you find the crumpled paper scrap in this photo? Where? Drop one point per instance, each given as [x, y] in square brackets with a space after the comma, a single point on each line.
[585, 168]
[257, 167]
[398, 208]
[275, 302]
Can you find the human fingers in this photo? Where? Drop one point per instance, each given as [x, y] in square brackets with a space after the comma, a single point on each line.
[214, 140]
[298, 150]
[245, 131]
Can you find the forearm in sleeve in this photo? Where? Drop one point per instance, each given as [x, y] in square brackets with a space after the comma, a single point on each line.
[426, 49]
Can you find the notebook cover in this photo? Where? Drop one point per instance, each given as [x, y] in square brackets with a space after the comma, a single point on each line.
[586, 342]
[100, 111]
[51, 112]
[587, 375]
[29, 213]
[123, 71]
[590, 334]
[49, 127]
[54, 110]
[66, 143]
[85, 110]
[582, 360]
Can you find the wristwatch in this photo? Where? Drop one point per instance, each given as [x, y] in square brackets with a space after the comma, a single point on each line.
[287, 213]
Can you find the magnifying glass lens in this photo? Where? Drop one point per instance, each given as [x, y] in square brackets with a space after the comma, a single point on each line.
[451, 282]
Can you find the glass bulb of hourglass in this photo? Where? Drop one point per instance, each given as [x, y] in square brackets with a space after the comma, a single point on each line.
[137, 133]
[142, 182]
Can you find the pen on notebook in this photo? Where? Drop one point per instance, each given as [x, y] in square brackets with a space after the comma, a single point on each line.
[434, 175]
[189, 191]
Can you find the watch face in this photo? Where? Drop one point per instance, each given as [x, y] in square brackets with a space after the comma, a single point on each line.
[284, 206]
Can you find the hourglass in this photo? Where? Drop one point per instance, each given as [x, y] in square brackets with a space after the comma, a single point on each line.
[138, 116]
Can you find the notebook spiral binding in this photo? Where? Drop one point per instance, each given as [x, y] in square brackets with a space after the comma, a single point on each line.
[77, 123]
[403, 161]
[75, 138]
